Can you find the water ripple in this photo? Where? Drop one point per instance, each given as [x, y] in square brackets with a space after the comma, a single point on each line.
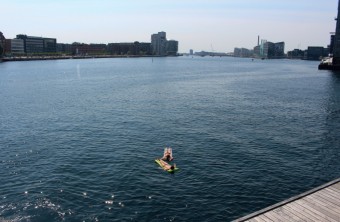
[79, 138]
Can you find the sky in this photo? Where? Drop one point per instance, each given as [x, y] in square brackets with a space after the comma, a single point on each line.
[209, 25]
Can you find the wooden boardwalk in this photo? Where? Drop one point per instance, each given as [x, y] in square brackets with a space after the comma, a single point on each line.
[319, 204]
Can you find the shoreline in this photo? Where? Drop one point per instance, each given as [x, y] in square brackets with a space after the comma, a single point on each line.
[33, 58]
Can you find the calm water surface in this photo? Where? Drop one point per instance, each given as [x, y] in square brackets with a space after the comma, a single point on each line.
[78, 138]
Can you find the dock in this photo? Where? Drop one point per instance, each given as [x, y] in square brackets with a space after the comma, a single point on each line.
[319, 204]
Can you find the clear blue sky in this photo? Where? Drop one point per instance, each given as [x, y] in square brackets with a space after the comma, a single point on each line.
[197, 24]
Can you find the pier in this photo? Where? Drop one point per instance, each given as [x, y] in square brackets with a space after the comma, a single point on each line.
[319, 204]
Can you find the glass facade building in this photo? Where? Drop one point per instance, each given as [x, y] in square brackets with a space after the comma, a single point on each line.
[33, 44]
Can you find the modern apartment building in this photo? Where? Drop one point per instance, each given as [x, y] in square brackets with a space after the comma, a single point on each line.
[161, 46]
[158, 43]
[171, 47]
[279, 50]
[269, 50]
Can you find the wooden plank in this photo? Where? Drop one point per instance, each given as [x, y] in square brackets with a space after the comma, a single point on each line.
[291, 213]
[274, 216]
[324, 202]
[321, 210]
[264, 218]
[311, 216]
[307, 211]
[327, 200]
[317, 211]
[303, 211]
[332, 192]
[252, 220]
[256, 220]
[327, 197]
[288, 216]
[325, 209]
[299, 212]
[294, 212]
[337, 186]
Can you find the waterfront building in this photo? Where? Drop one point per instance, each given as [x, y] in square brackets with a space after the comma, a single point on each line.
[191, 52]
[171, 47]
[161, 46]
[88, 49]
[315, 53]
[269, 50]
[331, 45]
[2, 37]
[336, 48]
[2, 43]
[333, 62]
[279, 50]
[263, 49]
[121, 48]
[158, 43]
[242, 52]
[17, 46]
[129, 48]
[256, 51]
[33, 44]
[14, 47]
[295, 54]
[64, 48]
[50, 45]
[144, 48]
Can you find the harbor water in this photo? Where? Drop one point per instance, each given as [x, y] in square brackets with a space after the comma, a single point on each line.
[78, 138]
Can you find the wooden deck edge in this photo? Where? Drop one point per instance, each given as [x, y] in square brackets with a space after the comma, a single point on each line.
[264, 210]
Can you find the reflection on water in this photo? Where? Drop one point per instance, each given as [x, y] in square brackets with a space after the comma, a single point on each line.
[245, 135]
